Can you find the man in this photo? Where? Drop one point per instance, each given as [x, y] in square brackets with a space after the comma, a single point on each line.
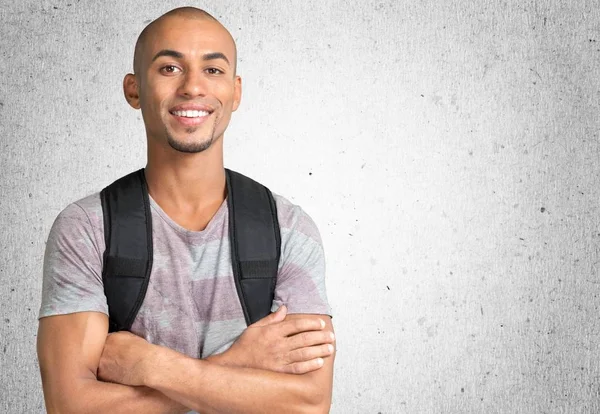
[190, 348]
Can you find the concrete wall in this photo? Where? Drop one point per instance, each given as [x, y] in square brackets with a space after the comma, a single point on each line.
[448, 151]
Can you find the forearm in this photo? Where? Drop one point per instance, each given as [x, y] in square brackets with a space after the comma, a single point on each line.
[225, 359]
[210, 388]
[92, 396]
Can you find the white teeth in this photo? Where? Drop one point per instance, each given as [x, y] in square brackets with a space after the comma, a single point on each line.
[190, 113]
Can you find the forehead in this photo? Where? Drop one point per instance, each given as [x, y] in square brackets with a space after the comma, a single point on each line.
[190, 36]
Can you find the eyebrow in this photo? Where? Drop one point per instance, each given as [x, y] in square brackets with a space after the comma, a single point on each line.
[179, 55]
[167, 52]
[215, 55]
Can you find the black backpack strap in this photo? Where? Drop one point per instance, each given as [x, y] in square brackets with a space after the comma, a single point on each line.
[253, 233]
[128, 254]
[255, 241]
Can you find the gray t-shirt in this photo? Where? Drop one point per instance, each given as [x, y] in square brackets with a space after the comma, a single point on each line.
[191, 304]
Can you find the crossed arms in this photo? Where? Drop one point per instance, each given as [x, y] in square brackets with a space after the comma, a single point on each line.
[282, 363]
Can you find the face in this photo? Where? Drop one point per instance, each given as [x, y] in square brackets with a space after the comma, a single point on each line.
[187, 87]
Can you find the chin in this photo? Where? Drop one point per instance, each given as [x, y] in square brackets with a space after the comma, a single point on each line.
[190, 146]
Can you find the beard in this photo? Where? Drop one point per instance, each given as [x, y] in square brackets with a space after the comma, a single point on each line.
[191, 147]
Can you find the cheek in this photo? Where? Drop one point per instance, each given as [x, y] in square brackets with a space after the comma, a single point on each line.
[153, 106]
[225, 92]
[155, 94]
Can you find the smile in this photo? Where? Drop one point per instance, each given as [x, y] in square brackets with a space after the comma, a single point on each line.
[190, 114]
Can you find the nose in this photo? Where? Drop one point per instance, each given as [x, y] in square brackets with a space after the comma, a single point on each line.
[193, 84]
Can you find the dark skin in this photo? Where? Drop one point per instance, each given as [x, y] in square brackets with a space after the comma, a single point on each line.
[185, 61]
[163, 83]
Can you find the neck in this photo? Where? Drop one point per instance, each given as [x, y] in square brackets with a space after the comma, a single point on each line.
[185, 181]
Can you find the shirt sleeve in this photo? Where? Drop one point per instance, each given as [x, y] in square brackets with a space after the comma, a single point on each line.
[301, 277]
[72, 272]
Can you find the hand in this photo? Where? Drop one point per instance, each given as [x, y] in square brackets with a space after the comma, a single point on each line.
[293, 346]
[124, 359]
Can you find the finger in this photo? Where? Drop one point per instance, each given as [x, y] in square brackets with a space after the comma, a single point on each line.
[275, 317]
[304, 339]
[303, 367]
[295, 326]
[310, 353]
[280, 313]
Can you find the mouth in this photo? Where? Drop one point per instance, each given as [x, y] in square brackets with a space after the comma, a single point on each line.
[191, 115]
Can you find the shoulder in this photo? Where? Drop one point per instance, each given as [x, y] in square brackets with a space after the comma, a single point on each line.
[293, 218]
[72, 271]
[301, 277]
[81, 219]
[87, 211]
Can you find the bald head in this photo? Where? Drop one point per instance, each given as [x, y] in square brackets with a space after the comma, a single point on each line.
[188, 13]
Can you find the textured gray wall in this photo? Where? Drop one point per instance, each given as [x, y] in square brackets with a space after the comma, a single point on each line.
[448, 151]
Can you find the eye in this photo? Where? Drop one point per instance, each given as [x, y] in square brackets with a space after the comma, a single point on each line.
[170, 69]
[214, 71]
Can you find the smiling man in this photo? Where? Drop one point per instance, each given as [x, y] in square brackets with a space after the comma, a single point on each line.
[190, 345]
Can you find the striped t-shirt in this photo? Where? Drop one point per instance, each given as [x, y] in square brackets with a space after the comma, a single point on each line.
[191, 304]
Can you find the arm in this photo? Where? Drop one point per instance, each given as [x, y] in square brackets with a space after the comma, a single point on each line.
[73, 325]
[69, 349]
[291, 345]
[210, 388]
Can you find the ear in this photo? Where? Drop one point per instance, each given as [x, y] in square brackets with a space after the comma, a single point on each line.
[131, 90]
[237, 93]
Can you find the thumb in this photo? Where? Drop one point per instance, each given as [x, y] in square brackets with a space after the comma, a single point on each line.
[277, 316]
